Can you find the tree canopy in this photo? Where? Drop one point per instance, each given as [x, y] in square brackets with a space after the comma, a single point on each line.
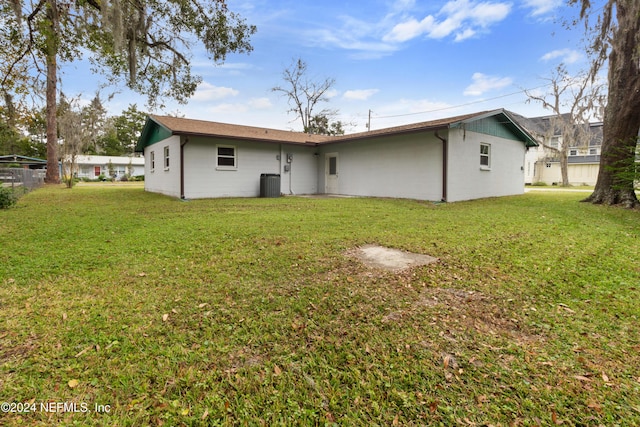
[143, 44]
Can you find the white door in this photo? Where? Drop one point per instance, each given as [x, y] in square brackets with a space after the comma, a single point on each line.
[331, 173]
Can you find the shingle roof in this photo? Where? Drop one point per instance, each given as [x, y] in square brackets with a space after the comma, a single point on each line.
[182, 126]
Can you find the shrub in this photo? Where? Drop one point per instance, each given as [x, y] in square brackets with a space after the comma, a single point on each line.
[7, 198]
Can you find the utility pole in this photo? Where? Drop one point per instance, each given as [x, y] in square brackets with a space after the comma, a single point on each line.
[369, 122]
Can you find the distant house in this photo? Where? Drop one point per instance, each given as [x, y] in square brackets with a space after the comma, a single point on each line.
[22, 170]
[542, 165]
[459, 158]
[16, 160]
[90, 166]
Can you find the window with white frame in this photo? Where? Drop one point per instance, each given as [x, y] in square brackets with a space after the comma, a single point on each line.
[593, 151]
[573, 152]
[152, 160]
[485, 156]
[166, 158]
[226, 157]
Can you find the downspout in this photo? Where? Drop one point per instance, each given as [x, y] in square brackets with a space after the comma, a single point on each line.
[290, 177]
[183, 142]
[445, 161]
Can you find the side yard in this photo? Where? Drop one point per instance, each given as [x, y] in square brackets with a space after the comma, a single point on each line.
[129, 308]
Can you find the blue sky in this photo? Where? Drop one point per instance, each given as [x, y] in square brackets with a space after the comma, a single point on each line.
[405, 60]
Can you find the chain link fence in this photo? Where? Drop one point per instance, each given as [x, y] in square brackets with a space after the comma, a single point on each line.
[22, 179]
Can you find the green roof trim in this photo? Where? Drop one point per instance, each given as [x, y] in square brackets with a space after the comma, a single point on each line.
[497, 123]
[152, 132]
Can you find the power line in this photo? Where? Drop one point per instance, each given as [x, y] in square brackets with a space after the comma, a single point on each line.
[460, 105]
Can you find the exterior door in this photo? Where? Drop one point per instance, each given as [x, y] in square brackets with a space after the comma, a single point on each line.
[331, 173]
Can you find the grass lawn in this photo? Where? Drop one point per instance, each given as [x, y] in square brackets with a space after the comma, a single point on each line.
[145, 310]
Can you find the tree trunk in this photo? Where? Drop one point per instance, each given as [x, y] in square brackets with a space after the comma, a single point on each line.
[53, 173]
[564, 168]
[622, 114]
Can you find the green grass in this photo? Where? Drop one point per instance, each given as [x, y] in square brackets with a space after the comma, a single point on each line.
[248, 312]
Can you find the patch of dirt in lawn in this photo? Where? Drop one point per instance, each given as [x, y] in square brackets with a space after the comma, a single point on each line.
[457, 310]
[375, 256]
[13, 352]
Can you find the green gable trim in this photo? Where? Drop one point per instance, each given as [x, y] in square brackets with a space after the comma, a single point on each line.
[499, 125]
[151, 133]
[490, 126]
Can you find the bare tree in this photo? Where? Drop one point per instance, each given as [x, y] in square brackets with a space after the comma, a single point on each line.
[304, 94]
[580, 98]
[617, 40]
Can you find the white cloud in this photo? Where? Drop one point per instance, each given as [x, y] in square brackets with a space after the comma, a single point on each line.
[352, 38]
[228, 108]
[362, 37]
[208, 92]
[331, 93]
[568, 56]
[260, 103]
[401, 5]
[460, 19]
[463, 18]
[542, 7]
[466, 34]
[252, 104]
[359, 95]
[409, 29]
[483, 83]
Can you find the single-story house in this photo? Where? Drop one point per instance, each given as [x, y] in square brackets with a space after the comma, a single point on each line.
[16, 160]
[90, 166]
[459, 158]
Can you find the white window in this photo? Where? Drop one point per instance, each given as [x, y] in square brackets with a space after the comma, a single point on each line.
[152, 160]
[485, 156]
[593, 151]
[166, 158]
[573, 152]
[226, 157]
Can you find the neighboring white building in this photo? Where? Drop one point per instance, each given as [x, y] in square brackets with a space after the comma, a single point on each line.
[90, 166]
[459, 158]
[543, 166]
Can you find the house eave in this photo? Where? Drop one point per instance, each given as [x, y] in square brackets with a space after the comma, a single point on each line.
[511, 124]
[242, 138]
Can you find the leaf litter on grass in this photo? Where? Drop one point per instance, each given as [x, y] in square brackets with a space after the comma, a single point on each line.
[501, 330]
